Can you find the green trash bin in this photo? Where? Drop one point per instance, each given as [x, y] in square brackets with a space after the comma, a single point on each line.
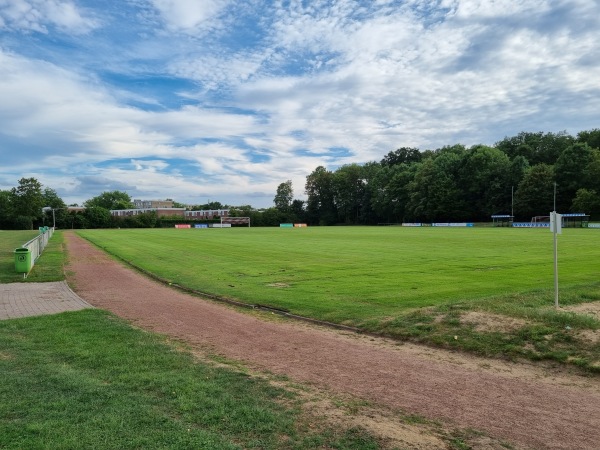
[22, 260]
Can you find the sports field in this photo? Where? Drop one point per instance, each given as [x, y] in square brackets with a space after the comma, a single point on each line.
[355, 275]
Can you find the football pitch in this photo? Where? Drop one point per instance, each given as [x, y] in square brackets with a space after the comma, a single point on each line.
[354, 275]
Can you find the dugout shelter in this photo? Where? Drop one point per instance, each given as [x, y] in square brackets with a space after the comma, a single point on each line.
[502, 220]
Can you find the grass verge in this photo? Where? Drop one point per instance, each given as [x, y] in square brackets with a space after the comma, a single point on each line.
[88, 380]
[510, 326]
[48, 267]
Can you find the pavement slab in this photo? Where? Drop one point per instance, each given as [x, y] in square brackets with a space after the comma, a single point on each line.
[35, 299]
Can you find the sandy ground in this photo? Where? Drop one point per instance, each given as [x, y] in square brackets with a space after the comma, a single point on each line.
[526, 405]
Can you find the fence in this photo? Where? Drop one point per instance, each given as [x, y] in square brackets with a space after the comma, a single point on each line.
[37, 245]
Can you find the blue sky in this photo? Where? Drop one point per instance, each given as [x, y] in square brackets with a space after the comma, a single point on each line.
[199, 100]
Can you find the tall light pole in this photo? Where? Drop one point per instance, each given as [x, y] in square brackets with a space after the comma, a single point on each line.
[50, 208]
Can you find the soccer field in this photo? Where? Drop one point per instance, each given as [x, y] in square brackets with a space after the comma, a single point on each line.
[356, 274]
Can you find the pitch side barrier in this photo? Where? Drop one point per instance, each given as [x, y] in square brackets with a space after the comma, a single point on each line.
[293, 225]
[439, 224]
[531, 224]
[30, 251]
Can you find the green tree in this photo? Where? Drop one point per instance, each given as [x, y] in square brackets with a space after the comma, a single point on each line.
[535, 193]
[57, 214]
[485, 180]
[97, 217]
[591, 138]
[588, 202]
[403, 155]
[111, 200]
[434, 193]
[298, 211]
[518, 168]
[348, 188]
[391, 191]
[537, 147]
[6, 210]
[570, 170]
[284, 196]
[320, 206]
[27, 201]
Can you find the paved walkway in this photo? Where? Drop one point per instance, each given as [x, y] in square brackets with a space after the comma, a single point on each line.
[35, 299]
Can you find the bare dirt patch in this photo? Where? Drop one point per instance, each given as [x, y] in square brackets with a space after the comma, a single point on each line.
[278, 285]
[527, 406]
[489, 322]
[592, 308]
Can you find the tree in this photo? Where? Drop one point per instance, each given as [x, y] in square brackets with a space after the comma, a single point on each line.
[298, 210]
[58, 214]
[320, 205]
[6, 213]
[111, 200]
[537, 147]
[588, 202]
[209, 206]
[27, 201]
[434, 192]
[97, 217]
[284, 196]
[485, 181]
[403, 155]
[535, 193]
[391, 192]
[569, 170]
[348, 187]
[591, 138]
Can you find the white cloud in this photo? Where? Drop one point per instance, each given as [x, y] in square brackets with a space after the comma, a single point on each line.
[37, 15]
[367, 77]
[187, 15]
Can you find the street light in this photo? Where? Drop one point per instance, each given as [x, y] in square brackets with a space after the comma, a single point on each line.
[50, 208]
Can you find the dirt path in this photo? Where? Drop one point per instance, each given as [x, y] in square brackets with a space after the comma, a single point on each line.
[522, 404]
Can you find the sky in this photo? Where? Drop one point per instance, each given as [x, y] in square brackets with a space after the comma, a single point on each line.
[223, 100]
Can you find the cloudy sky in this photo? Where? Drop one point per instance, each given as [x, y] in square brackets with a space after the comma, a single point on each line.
[223, 100]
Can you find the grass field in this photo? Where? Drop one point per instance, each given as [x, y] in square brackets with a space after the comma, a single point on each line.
[49, 266]
[402, 282]
[357, 274]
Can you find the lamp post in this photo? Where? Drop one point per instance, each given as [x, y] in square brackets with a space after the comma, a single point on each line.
[50, 208]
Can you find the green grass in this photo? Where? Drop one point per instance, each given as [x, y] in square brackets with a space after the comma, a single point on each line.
[89, 380]
[356, 274]
[48, 267]
[406, 283]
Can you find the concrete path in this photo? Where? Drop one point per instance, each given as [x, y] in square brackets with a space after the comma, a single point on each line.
[35, 299]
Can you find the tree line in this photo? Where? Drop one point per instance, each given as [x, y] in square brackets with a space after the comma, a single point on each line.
[458, 184]
[450, 184]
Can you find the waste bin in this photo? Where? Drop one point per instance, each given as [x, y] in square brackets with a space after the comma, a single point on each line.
[22, 260]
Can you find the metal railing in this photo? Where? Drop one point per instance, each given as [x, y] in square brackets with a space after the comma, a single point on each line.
[37, 245]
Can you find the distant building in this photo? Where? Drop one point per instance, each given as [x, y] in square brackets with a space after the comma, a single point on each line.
[207, 214]
[145, 204]
[160, 212]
